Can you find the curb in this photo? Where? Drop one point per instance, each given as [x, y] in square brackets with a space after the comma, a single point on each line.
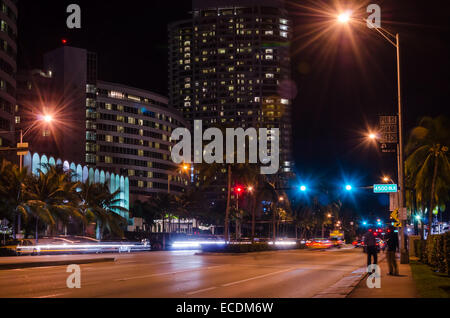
[55, 263]
[345, 285]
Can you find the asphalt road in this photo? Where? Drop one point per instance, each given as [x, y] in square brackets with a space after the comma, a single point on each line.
[182, 274]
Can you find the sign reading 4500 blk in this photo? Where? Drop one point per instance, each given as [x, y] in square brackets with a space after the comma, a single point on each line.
[384, 188]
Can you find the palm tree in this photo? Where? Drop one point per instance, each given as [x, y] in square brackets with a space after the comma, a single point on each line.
[427, 166]
[164, 205]
[50, 197]
[13, 182]
[98, 203]
[213, 174]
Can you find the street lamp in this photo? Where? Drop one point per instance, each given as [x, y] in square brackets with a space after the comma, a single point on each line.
[348, 187]
[47, 118]
[394, 40]
[388, 179]
[183, 169]
[344, 17]
[303, 188]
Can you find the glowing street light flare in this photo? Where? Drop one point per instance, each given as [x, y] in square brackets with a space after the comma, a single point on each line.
[344, 17]
[48, 118]
[303, 188]
[348, 187]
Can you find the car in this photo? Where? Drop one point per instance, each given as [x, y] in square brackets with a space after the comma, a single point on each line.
[319, 243]
[358, 243]
[337, 242]
[381, 245]
[13, 247]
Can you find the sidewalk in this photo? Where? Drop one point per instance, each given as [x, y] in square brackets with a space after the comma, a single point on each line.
[402, 286]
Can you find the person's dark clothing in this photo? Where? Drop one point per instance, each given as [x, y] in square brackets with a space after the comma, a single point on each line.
[370, 244]
[369, 239]
[392, 241]
[392, 247]
[371, 253]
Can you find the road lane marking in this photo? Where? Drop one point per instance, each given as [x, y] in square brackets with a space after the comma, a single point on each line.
[201, 290]
[167, 273]
[51, 296]
[258, 277]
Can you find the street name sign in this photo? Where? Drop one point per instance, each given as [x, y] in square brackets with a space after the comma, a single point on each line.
[385, 188]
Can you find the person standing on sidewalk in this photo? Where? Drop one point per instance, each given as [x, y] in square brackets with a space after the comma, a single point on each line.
[392, 247]
[370, 244]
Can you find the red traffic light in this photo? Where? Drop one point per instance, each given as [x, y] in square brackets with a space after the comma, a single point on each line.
[239, 189]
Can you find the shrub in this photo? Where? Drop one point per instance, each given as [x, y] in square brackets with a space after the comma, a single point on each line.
[418, 248]
[435, 252]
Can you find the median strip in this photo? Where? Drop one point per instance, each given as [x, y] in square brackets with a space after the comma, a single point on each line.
[10, 266]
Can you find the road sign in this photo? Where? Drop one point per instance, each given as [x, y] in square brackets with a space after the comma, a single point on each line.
[385, 188]
[388, 148]
[22, 149]
[388, 129]
[394, 215]
[402, 214]
[393, 201]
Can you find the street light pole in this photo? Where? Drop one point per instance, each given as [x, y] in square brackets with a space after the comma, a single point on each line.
[404, 258]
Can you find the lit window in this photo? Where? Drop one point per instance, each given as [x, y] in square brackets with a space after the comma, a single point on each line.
[108, 159]
[134, 98]
[17, 119]
[115, 94]
[268, 32]
[284, 34]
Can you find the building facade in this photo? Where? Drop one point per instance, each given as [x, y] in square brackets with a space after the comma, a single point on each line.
[8, 68]
[133, 129]
[230, 66]
[107, 126]
[35, 162]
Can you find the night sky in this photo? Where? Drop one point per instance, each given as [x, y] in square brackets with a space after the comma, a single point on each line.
[338, 96]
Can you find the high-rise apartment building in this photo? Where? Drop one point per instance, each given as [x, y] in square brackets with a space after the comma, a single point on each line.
[8, 68]
[229, 65]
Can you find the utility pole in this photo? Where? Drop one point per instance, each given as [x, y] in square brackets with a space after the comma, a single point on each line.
[404, 257]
